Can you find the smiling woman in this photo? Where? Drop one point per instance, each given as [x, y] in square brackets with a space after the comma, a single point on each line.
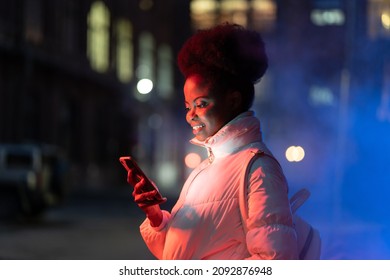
[221, 66]
[206, 113]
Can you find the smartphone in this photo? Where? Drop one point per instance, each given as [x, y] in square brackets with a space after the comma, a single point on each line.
[130, 164]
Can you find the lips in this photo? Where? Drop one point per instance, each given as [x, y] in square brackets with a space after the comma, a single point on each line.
[197, 128]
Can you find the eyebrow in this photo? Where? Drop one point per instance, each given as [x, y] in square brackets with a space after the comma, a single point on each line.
[203, 96]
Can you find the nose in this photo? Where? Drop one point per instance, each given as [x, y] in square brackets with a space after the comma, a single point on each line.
[191, 114]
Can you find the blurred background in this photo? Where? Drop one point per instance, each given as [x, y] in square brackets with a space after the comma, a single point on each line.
[83, 82]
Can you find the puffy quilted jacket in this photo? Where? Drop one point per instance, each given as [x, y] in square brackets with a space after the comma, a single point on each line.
[206, 223]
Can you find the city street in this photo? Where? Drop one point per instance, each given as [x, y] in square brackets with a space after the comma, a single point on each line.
[99, 225]
[104, 225]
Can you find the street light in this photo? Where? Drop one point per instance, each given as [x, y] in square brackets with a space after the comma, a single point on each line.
[144, 86]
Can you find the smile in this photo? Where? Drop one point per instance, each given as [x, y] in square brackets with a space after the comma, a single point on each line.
[197, 126]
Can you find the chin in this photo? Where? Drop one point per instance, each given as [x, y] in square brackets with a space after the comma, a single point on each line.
[200, 137]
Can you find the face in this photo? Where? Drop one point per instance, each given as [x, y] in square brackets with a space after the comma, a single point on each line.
[206, 113]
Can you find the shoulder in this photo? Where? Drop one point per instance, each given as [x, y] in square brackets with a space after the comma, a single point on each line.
[258, 155]
[265, 167]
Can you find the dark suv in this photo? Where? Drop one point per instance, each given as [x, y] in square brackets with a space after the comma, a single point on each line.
[32, 177]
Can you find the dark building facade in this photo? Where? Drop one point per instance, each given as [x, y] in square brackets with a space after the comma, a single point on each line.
[69, 71]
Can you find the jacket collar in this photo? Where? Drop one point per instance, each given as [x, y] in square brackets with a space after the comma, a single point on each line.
[242, 130]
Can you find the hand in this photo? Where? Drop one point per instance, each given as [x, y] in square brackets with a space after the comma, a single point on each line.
[146, 200]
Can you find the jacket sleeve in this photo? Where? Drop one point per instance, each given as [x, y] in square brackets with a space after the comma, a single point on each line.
[270, 228]
[154, 237]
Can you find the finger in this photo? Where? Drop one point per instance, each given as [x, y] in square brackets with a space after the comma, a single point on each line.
[133, 178]
[139, 186]
[146, 204]
[142, 197]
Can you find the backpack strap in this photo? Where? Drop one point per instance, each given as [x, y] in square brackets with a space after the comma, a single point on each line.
[296, 200]
[253, 155]
[243, 190]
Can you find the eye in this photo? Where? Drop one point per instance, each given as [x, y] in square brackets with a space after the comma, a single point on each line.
[202, 104]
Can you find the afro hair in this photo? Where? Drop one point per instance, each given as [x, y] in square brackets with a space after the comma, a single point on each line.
[229, 49]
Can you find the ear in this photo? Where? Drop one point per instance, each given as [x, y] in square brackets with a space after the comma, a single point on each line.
[235, 100]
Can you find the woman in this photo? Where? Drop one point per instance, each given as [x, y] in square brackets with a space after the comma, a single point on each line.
[221, 66]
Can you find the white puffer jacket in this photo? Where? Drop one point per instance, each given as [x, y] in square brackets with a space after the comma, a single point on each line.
[205, 223]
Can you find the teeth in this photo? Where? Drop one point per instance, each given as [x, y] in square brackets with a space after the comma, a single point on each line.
[197, 126]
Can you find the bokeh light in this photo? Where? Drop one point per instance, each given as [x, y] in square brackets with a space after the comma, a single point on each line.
[192, 160]
[385, 18]
[295, 153]
[144, 86]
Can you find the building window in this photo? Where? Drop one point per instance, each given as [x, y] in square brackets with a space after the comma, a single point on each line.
[204, 13]
[145, 67]
[98, 36]
[124, 50]
[234, 11]
[165, 71]
[379, 19]
[327, 17]
[321, 96]
[146, 56]
[263, 14]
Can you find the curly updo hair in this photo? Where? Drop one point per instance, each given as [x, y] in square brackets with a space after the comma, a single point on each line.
[228, 57]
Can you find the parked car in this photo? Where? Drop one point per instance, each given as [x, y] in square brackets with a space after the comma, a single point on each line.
[32, 178]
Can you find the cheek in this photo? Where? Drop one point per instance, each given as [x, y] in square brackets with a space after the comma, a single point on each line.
[208, 115]
[217, 113]
[215, 120]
